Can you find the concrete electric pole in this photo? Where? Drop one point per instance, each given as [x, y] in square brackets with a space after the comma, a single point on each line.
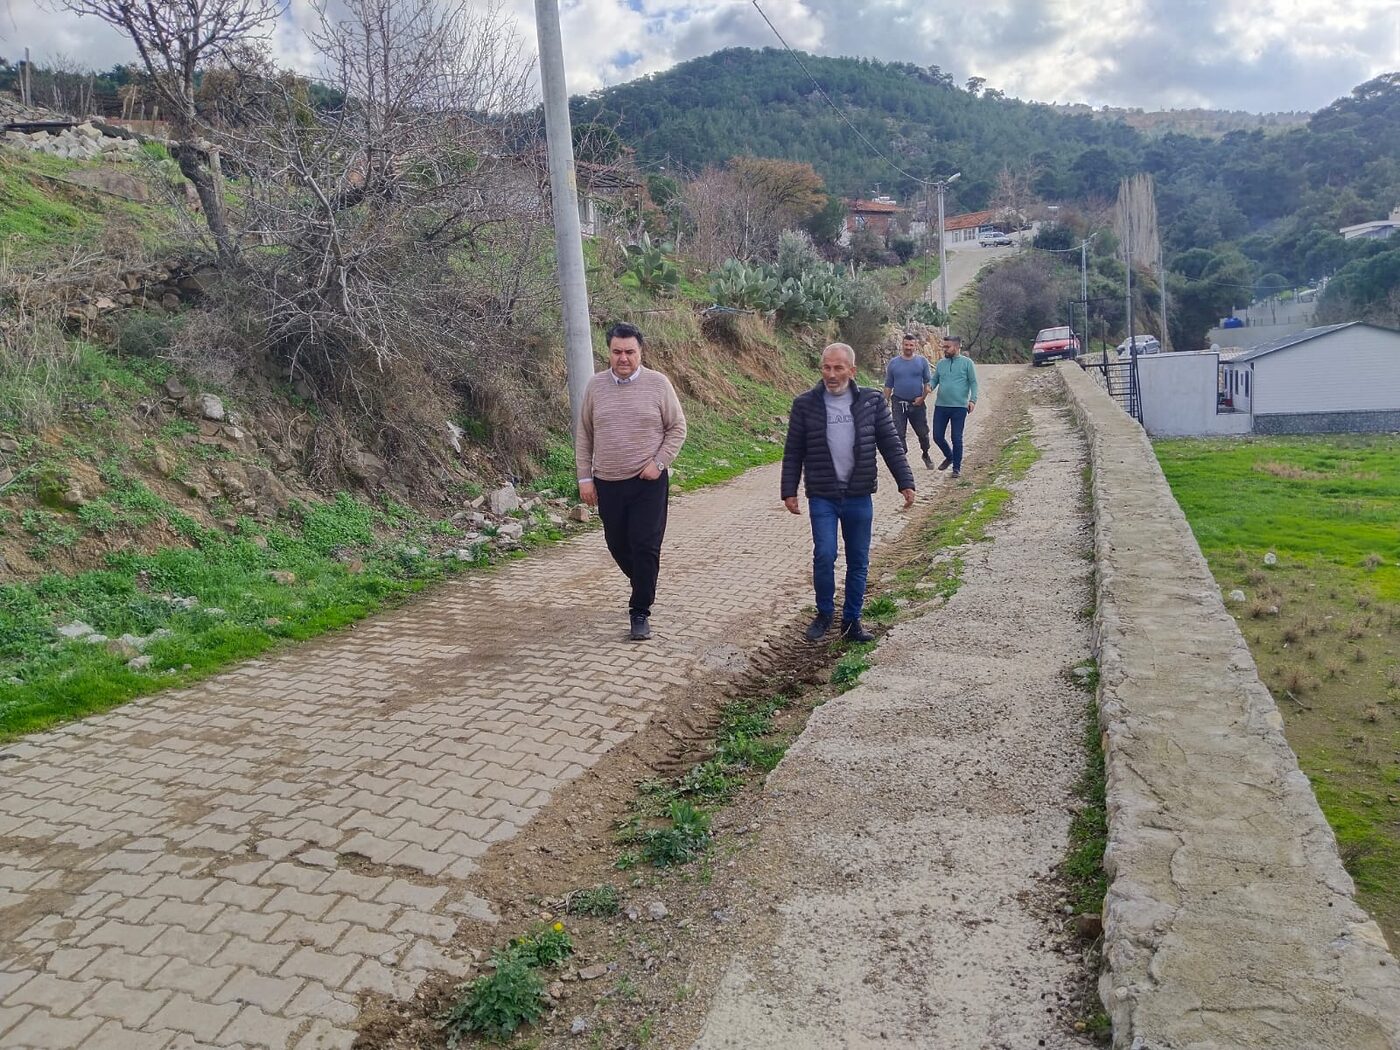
[568, 237]
[942, 185]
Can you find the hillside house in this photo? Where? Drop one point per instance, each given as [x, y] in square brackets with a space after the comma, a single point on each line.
[964, 228]
[1378, 230]
[877, 215]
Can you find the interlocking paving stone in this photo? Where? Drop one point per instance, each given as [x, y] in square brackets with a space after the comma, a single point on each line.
[165, 835]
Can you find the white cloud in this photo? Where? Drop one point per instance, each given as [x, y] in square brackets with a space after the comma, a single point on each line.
[1234, 54]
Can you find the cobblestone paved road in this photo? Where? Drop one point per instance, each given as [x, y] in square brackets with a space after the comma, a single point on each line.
[233, 864]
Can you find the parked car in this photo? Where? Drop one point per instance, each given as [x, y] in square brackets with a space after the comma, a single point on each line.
[1146, 344]
[994, 239]
[1052, 344]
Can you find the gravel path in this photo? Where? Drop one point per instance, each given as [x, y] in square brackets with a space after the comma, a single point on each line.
[918, 819]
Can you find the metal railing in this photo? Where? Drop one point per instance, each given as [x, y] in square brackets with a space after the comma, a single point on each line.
[1120, 379]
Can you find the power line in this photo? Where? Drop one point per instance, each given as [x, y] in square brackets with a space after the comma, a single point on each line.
[835, 108]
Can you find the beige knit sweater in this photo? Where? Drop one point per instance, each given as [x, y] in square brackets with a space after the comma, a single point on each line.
[625, 426]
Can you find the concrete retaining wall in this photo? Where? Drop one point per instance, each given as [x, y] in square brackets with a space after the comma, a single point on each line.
[1230, 922]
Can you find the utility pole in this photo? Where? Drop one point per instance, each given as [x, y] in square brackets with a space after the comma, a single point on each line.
[1084, 290]
[942, 251]
[568, 238]
[1162, 277]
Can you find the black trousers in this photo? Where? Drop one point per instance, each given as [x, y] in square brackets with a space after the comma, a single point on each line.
[916, 416]
[634, 523]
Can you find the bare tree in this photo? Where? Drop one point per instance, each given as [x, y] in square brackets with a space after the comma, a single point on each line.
[1014, 200]
[397, 232]
[176, 39]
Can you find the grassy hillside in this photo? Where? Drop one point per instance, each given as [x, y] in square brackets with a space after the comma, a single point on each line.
[145, 544]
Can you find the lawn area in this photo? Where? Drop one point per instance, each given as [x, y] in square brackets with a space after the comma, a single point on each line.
[1323, 622]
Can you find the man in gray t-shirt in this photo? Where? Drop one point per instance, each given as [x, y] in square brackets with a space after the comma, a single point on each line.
[907, 386]
[840, 434]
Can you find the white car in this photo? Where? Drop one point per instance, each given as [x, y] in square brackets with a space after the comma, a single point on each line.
[1146, 344]
[994, 239]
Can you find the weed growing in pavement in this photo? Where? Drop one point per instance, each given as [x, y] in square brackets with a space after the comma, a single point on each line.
[853, 663]
[600, 902]
[686, 838]
[496, 1004]
[881, 609]
[710, 780]
[544, 946]
[1082, 869]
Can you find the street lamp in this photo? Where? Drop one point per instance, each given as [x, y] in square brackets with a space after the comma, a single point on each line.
[942, 185]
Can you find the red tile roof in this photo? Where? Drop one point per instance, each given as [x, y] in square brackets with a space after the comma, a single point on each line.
[969, 220]
[873, 208]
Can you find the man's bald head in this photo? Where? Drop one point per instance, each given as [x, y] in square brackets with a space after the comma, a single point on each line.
[838, 367]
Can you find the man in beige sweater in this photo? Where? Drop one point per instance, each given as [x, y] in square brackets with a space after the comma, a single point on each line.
[631, 429]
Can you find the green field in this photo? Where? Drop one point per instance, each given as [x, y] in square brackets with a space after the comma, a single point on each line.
[1324, 622]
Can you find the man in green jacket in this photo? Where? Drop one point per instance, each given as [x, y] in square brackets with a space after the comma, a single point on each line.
[955, 383]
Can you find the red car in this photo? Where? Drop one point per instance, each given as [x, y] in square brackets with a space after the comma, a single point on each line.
[1055, 343]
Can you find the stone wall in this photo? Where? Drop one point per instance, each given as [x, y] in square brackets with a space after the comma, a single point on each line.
[1327, 422]
[78, 142]
[1230, 922]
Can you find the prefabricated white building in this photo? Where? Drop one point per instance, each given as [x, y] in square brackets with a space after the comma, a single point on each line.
[1342, 378]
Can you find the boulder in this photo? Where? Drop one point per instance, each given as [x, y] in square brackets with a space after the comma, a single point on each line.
[512, 530]
[211, 407]
[579, 512]
[503, 501]
[75, 630]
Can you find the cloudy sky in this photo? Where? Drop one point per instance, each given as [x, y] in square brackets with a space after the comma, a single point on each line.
[1258, 55]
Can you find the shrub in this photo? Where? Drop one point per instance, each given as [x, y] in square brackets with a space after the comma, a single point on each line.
[143, 334]
[496, 1004]
[647, 262]
[545, 946]
[904, 247]
[926, 313]
[600, 902]
[744, 287]
[688, 836]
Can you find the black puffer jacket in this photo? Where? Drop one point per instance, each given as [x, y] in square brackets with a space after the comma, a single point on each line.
[806, 447]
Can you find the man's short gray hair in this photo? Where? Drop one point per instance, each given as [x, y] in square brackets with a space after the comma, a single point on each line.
[845, 348]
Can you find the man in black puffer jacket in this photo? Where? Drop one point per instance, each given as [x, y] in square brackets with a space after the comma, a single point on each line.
[833, 432]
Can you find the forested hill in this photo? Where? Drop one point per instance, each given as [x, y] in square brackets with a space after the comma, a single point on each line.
[1276, 198]
[760, 102]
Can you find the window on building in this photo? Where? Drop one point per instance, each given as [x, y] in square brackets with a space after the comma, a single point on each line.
[1246, 384]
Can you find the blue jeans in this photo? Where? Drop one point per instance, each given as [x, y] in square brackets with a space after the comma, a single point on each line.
[942, 416]
[854, 514]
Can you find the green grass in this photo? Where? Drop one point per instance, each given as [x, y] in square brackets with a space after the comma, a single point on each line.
[1088, 831]
[48, 680]
[39, 214]
[1329, 502]
[723, 443]
[965, 522]
[1328, 508]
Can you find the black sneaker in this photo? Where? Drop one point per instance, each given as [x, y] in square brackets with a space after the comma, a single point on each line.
[641, 629]
[928, 460]
[852, 631]
[957, 472]
[816, 630]
[945, 464]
